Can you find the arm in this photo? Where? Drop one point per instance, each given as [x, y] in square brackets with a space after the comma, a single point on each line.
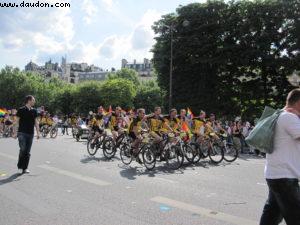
[16, 127]
[37, 127]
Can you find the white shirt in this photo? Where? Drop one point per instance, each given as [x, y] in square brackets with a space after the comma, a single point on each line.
[245, 131]
[284, 162]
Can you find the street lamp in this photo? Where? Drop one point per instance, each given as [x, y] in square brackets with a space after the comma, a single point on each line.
[294, 79]
[185, 23]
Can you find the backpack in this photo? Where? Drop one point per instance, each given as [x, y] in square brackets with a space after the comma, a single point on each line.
[262, 135]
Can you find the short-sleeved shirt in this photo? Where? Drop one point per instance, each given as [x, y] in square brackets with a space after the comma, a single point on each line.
[137, 122]
[284, 162]
[155, 123]
[197, 124]
[27, 119]
[173, 123]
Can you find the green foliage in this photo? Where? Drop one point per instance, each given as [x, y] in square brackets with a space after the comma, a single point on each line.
[149, 95]
[232, 58]
[60, 97]
[118, 92]
[127, 74]
[87, 97]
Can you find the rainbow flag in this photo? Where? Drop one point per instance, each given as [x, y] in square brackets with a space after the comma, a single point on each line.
[3, 112]
[189, 113]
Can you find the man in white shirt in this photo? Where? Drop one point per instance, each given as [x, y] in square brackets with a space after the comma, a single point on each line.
[282, 169]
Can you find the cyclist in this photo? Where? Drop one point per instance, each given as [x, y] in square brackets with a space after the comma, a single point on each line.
[8, 123]
[198, 125]
[1, 125]
[49, 120]
[171, 122]
[96, 124]
[117, 122]
[155, 123]
[135, 132]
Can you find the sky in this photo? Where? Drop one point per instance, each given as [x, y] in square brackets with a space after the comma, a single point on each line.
[99, 32]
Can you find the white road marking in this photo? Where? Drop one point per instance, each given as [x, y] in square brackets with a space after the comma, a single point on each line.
[8, 156]
[263, 184]
[203, 211]
[75, 175]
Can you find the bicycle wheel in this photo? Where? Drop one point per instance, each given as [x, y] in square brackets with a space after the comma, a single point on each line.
[174, 157]
[216, 153]
[230, 153]
[149, 157]
[44, 133]
[109, 150]
[125, 154]
[197, 152]
[92, 150]
[204, 149]
[189, 153]
[53, 133]
[74, 132]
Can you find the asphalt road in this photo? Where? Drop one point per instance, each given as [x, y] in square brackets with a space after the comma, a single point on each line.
[66, 186]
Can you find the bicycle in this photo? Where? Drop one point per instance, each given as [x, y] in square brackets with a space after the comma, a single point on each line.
[46, 129]
[169, 150]
[209, 146]
[103, 141]
[122, 139]
[230, 152]
[127, 154]
[189, 152]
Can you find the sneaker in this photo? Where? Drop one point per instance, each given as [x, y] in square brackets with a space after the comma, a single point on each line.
[26, 171]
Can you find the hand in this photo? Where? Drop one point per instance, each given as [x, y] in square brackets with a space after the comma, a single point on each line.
[15, 136]
[38, 136]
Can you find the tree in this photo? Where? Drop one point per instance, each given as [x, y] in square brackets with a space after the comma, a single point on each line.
[118, 92]
[233, 58]
[87, 97]
[148, 96]
[14, 86]
[65, 101]
[127, 74]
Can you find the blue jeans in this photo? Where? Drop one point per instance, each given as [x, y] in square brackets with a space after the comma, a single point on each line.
[25, 142]
[283, 202]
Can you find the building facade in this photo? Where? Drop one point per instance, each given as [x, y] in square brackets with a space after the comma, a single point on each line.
[49, 70]
[144, 69]
[69, 72]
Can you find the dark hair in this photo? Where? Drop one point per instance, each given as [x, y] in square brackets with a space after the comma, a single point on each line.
[28, 98]
[293, 97]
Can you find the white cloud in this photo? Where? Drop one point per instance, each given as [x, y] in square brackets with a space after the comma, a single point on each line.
[135, 45]
[47, 44]
[109, 4]
[13, 43]
[82, 52]
[41, 29]
[90, 9]
[49, 33]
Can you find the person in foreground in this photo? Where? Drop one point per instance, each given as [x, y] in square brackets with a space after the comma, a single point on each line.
[282, 169]
[26, 121]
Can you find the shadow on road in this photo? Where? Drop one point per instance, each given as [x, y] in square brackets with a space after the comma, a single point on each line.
[90, 159]
[247, 157]
[10, 179]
